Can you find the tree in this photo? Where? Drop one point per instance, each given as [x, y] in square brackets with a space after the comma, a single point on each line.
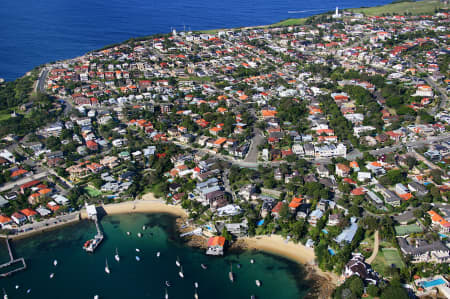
[411, 162]
[396, 292]
[373, 290]
[284, 211]
[356, 285]
[226, 234]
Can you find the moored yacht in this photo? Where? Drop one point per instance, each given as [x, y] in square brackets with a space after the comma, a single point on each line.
[116, 256]
[107, 267]
[258, 283]
[181, 272]
[177, 262]
[55, 263]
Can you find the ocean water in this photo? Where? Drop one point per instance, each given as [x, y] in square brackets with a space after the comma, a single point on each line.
[81, 275]
[36, 32]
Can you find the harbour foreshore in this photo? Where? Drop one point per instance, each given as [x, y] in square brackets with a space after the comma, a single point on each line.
[273, 244]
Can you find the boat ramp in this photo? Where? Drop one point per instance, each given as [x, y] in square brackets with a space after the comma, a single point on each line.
[11, 262]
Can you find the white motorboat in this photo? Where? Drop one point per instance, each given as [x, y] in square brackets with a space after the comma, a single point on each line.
[196, 285]
[138, 250]
[96, 297]
[17, 286]
[144, 227]
[181, 272]
[167, 295]
[195, 294]
[252, 261]
[252, 297]
[138, 258]
[230, 274]
[52, 275]
[107, 267]
[158, 254]
[55, 263]
[5, 296]
[177, 262]
[258, 283]
[139, 235]
[128, 233]
[28, 291]
[116, 256]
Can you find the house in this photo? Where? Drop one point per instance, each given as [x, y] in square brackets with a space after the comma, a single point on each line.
[215, 245]
[349, 233]
[5, 221]
[421, 251]
[276, 210]
[295, 203]
[18, 218]
[314, 217]
[29, 213]
[342, 170]
[389, 196]
[439, 222]
[334, 219]
[357, 266]
[323, 171]
[419, 189]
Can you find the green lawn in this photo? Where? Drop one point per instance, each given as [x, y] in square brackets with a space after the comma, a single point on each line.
[290, 22]
[92, 192]
[415, 8]
[385, 258]
[392, 256]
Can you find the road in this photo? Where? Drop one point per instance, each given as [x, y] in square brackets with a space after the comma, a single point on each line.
[418, 143]
[24, 180]
[41, 80]
[375, 248]
[258, 139]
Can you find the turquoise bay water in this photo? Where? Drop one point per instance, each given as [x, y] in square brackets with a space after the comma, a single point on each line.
[82, 275]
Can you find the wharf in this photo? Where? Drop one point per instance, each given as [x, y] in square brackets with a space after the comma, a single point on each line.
[11, 262]
[92, 244]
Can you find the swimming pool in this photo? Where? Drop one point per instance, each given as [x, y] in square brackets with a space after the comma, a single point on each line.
[331, 251]
[432, 283]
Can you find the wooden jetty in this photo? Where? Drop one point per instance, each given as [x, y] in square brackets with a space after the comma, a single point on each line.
[92, 244]
[11, 262]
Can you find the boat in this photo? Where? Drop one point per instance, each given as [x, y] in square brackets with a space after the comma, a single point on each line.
[139, 235]
[167, 283]
[138, 258]
[107, 267]
[52, 275]
[239, 266]
[204, 267]
[252, 297]
[128, 233]
[177, 262]
[158, 254]
[116, 256]
[230, 274]
[196, 285]
[17, 286]
[96, 297]
[258, 283]
[252, 261]
[181, 272]
[167, 295]
[195, 294]
[5, 296]
[144, 227]
[28, 291]
[55, 263]
[138, 250]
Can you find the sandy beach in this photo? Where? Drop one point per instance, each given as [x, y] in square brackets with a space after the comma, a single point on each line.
[148, 204]
[299, 253]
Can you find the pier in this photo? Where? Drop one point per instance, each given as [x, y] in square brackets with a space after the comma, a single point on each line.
[92, 244]
[197, 231]
[11, 262]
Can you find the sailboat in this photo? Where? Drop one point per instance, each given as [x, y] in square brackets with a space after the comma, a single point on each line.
[138, 250]
[204, 267]
[5, 296]
[252, 261]
[138, 258]
[144, 227]
[167, 295]
[158, 254]
[96, 297]
[230, 274]
[139, 235]
[177, 262]
[128, 233]
[258, 283]
[167, 283]
[107, 267]
[181, 272]
[52, 275]
[196, 285]
[116, 256]
[195, 294]
[55, 263]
